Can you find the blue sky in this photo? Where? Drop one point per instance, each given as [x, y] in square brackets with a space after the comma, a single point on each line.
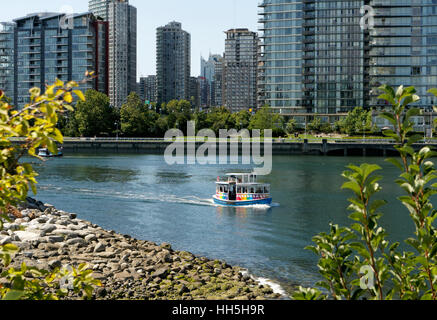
[204, 19]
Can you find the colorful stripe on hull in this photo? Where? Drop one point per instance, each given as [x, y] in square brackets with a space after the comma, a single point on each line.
[242, 203]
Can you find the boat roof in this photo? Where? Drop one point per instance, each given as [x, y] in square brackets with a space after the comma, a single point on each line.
[240, 174]
[245, 184]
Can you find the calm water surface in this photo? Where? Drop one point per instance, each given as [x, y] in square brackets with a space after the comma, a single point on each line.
[142, 196]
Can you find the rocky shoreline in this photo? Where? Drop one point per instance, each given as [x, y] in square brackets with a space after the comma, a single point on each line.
[128, 268]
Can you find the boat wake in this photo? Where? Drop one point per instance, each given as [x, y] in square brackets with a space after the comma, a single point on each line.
[191, 200]
[151, 197]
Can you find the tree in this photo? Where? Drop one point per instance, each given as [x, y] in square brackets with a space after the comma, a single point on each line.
[179, 113]
[291, 126]
[264, 119]
[37, 124]
[95, 116]
[136, 118]
[351, 256]
[242, 119]
[220, 118]
[315, 125]
[356, 122]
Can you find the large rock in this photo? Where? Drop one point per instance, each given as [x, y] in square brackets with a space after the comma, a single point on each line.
[90, 238]
[55, 239]
[27, 236]
[161, 273]
[66, 232]
[48, 228]
[6, 240]
[106, 255]
[123, 276]
[79, 241]
[100, 247]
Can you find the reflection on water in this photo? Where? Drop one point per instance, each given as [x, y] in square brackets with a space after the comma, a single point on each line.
[243, 212]
[140, 195]
[167, 177]
[93, 174]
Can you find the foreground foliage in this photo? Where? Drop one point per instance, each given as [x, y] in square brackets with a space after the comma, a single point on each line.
[34, 126]
[359, 262]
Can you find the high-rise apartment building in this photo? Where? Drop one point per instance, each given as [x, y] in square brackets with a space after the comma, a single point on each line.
[403, 48]
[194, 92]
[100, 8]
[50, 46]
[147, 88]
[7, 57]
[317, 59]
[173, 63]
[122, 20]
[240, 70]
[211, 70]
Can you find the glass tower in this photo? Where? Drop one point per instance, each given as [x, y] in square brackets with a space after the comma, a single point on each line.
[173, 63]
[47, 49]
[7, 54]
[240, 70]
[122, 46]
[280, 79]
[316, 59]
[100, 8]
[404, 48]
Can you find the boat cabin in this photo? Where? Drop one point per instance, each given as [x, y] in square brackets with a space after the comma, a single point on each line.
[242, 187]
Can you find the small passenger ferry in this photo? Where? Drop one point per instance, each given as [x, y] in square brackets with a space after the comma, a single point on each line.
[45, 153]
[241, 189]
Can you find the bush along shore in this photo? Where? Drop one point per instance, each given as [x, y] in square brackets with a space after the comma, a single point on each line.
[127, 268]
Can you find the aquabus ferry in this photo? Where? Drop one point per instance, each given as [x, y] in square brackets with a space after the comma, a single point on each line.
[241, 189]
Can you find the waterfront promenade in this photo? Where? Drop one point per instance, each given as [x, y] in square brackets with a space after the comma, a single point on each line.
[328, 147]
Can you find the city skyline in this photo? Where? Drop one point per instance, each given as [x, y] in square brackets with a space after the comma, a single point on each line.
[206, 29]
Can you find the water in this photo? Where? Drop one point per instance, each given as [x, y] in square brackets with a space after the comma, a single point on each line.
[142, 196]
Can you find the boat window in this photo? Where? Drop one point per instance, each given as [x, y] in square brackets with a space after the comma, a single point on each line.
[226, 189]
[221, 189]
[244, 189]
[252, 190]
[259, 190]
[266, 190]
[238, 189]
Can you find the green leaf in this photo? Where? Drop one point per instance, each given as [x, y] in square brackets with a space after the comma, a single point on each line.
[352, 185]
[396, 163]
[13, 295]
[79, 94]
[51, 145]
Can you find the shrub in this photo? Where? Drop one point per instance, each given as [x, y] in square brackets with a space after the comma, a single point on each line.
[359, 262]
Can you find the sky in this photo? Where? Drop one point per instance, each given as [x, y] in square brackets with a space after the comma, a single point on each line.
[205, 20]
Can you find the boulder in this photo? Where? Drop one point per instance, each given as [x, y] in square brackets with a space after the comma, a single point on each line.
[161, 273]
[48, 228]
[123, 276]
[100, 247]
[76, 241]
[6, 240]
[90, 238]
[28, 236]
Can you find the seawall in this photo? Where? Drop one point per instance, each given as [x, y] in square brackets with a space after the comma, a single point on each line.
[304, 147]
